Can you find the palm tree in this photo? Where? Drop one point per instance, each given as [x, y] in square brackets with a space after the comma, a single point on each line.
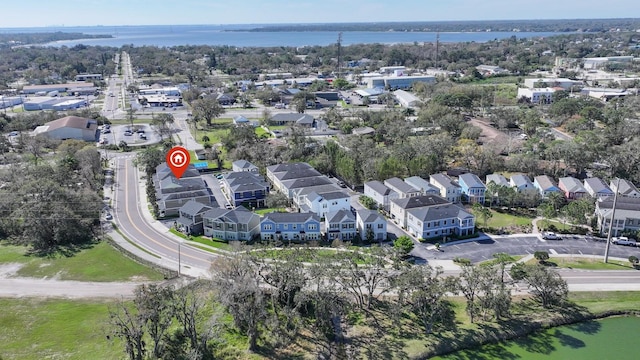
[482, 212]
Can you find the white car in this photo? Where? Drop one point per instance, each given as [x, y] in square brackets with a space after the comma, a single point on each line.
[623, 240]
[548, 235]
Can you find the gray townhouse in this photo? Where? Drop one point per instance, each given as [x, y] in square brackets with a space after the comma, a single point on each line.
[380, 193]
[624, 188]
[423, 185]
[597, 188]
[403, 189]
[341, 225]
[243, 165]
[190, 218]
[437, 221]
[399, 207]
[238, 224]
[246, 188]
[627, 215]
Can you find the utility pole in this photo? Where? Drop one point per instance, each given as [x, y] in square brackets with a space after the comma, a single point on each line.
[613, 216]
[179, 259]
[339, 54]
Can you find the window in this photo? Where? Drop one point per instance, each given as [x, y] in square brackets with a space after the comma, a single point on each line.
[380, 226]
[267, 227]
[286, 226]
[294, 226]
[312, 227]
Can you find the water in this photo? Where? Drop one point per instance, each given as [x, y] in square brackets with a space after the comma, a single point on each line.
[607, 339]
[166, 36]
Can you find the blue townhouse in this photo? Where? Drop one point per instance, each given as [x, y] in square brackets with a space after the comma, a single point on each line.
[291, 227]
[472, 188]
[246, 188]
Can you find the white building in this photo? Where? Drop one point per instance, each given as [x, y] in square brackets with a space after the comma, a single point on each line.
[322, 204]
[371, 222]
[399, 82]
[537, 95]
[406, 98]
[380, 193]
[69, 127]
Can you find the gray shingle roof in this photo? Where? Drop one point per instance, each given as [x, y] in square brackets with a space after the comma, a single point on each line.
[471, 180]
[303, 119]
[290, 217]
[497, 179]
[444, 180]
[369, 216]
[304, 182]
[521, 180]
[400, 186]
[163, 171]
[193, 207]
[597, 185]
[545, 182]
[626, 187]
[378, 187]
[340, 216]
[297, 174]
[243, 164]
[420, 201]
[287, 167]
[571, 184]
[432, 213]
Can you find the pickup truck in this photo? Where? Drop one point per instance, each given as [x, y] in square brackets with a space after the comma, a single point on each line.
[623, 240]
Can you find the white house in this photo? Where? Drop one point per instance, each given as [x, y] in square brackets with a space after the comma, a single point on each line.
[399, 207]
[440, 221]
[522, 184]
[423, 185]
[322, 204]
[597, 188]
[449, 189]
[624, 188]
[371, 225]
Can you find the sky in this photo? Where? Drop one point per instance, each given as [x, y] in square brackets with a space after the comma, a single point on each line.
[41, 13]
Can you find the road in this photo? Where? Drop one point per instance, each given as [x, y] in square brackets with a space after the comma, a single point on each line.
[137, 224]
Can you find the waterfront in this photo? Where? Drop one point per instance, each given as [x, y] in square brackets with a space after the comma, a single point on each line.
[610, 338]
[233, 35]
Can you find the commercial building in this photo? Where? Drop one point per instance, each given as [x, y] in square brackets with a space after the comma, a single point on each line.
[70, 127]
[399, 82]
[537, 83]
[537, 95]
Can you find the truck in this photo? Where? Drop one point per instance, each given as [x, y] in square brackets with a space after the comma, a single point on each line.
[623, 240]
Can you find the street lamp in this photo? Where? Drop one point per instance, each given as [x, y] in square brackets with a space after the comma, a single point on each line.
[613, 213]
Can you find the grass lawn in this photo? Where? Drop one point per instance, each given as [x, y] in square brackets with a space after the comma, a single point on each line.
[215, 135]
[499, 220]
[218, 244]
[56, 329]
[607, 300]
[545, 224]
[586, 263]
[261, 212]
[98, 263]
[260, 132]
[194, 159]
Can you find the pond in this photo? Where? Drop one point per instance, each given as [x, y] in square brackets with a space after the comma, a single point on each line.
[611, 338]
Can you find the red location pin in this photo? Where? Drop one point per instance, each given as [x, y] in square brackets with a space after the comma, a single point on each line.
[178, 160]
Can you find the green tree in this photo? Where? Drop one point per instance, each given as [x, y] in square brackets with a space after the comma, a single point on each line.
[541, 256]
[546, 286]
[482, 212]
[404, 244]
[162, 123]
[207, 109]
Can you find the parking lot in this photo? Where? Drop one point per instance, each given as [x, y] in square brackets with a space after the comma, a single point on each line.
[140, 134]
[480, 250]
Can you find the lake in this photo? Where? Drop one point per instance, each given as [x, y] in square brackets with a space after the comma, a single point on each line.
[606, 339]
[233, 35]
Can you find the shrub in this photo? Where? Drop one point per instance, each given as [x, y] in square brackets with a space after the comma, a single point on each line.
[541, 256]
[462, 261]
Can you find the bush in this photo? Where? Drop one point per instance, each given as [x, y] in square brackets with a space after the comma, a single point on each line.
[404, 244]
[462, 261]
[541, 256]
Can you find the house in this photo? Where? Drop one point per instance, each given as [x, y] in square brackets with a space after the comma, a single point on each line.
[597, 188]
[172, 194]
[70, 127]
[472, 188]
[291, 119]
[624, 188]
[246, 188]
[626, 217]
[292, 227]
[545, 185]
[371, 225]
[231, 225]
[341, 225]
[572, 188]
[497, 179]
[423, 185]
[299, 197]
[190, 217]
[241, 120]
[163, 171]
[226, 99]
[243, 165]
[278, 174]
[380, 193]
[399, 207]
[402, 188]
[440, 221]
[522, 184]
[329, 202]
[449, 189]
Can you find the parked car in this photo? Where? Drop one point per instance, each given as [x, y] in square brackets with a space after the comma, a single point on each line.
[548, 235]
[623, 240]
[229, 207]
[108, 216]
[140, 131]
[106, 131]
[219, 176]
[128, 133]
[13, 133]
[142, 136]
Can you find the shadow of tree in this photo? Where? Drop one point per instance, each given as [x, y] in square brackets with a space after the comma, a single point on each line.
[568, 340]
[587, 327]
[540, 342]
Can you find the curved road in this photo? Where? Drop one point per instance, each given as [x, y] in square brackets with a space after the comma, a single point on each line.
[146, 232]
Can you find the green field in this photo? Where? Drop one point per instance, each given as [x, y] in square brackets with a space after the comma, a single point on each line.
[98, 263]
[56, 329]
[503, 220]
[586, 263]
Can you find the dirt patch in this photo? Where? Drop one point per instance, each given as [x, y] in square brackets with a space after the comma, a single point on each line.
[493, 137]
[9, 270]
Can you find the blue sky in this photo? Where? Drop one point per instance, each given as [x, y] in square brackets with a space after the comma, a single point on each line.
[32, 13]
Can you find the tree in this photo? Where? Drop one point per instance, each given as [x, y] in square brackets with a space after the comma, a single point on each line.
[238, 290]
[155, 310]
[541, 256]
[482, 212]
[148, 159]
[162, 123]
[547, 286]
[428, 297]
[633, 260]
[129, 327]
[207, 109]
[404, 244]
[277, 200]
